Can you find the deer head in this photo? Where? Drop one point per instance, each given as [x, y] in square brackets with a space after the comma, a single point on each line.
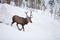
[29, 18]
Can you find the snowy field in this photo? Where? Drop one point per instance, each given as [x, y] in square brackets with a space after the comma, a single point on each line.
[43, 26]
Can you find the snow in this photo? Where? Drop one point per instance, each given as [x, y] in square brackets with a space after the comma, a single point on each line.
[44, 27]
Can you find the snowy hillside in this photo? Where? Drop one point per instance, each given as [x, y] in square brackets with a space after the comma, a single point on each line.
[43, 26]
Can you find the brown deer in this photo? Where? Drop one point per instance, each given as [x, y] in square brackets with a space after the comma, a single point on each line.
[22, 21]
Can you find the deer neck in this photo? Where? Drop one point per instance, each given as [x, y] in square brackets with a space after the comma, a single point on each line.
[28, 19]
[25, 21]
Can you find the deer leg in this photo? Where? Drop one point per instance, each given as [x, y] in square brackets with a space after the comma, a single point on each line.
[18, 27]
[23, 27]
[12, 23]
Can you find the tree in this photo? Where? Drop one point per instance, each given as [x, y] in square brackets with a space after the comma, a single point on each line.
[51, 3]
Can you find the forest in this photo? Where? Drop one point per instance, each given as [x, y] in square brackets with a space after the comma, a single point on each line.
[29, 19]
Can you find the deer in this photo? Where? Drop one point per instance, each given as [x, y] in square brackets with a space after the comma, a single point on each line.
[21, 20]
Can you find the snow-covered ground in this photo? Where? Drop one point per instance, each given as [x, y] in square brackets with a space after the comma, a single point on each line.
[43, 26]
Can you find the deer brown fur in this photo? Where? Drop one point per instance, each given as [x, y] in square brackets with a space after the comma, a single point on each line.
[22, 21]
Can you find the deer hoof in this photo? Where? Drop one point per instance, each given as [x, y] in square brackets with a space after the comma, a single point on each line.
[20, 29]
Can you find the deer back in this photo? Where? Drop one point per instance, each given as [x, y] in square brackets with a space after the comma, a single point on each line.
[17, 19]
